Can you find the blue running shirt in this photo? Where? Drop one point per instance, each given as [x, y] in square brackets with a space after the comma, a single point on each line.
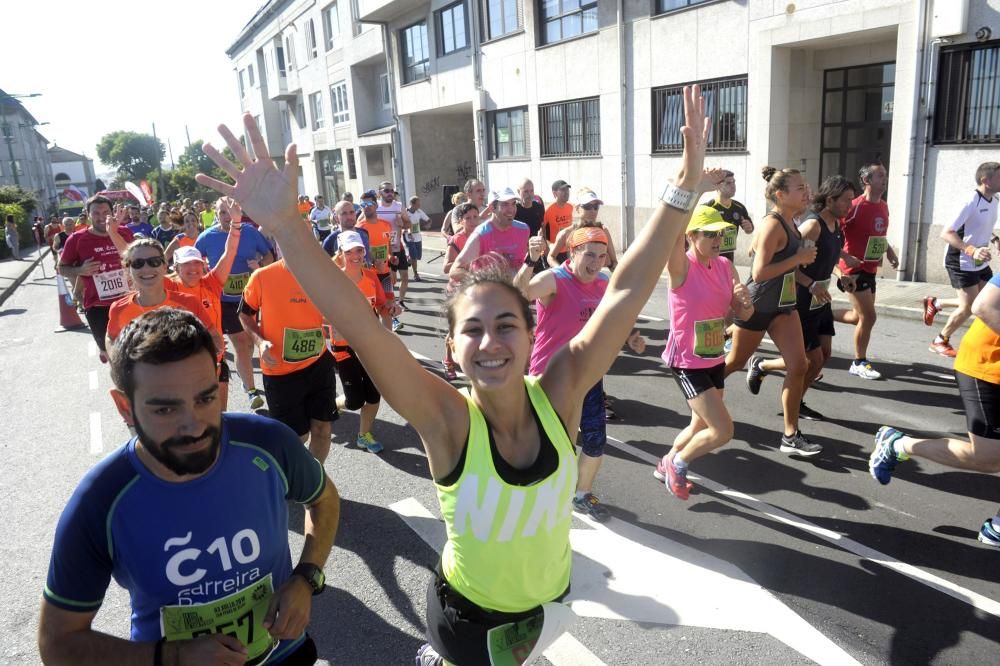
[212, 243]
[219, 538]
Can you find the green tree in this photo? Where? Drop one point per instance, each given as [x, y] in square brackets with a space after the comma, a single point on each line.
[12, 194]
[132, 153]
[194, 157]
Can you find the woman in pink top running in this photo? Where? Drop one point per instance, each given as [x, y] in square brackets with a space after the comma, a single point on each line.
[467, 217]
[703, 288]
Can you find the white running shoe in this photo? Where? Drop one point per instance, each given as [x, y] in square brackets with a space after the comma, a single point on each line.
[865, 371]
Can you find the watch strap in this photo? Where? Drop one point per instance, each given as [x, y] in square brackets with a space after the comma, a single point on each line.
[678, 198]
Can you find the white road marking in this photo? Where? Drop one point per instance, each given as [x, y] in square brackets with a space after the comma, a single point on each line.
[567, 651]
[92, 379]
[911, 421]
[939, 375]
[974, 599]
[427, 359]
[96, 441]
[646, 317]
[92, 349]
[894, 509]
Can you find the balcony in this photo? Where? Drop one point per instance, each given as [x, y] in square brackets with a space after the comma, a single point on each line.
[283, 88]
[384, 11]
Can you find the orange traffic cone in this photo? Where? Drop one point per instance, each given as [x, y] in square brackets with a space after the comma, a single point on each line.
[68, 318]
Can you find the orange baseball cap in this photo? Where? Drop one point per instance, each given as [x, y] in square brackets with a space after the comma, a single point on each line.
[585, 235]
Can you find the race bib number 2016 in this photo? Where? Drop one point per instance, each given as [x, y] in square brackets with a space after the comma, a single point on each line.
[240, 615]
[110, 284]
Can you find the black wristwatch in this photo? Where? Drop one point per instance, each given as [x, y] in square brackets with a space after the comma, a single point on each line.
[313, 574]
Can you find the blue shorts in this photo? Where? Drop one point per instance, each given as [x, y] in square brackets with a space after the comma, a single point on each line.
[593, 426]
[416, 249]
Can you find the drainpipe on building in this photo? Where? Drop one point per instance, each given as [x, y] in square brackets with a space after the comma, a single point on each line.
[626, 213]
[397, 147]
[480, 100]
[912, 227]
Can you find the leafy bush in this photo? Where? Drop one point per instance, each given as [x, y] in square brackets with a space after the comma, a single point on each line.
[23, 227]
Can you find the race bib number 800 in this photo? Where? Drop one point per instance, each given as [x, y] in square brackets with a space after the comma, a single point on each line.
[240, 615]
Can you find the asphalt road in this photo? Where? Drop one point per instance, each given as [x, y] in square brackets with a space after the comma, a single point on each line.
[773, 559]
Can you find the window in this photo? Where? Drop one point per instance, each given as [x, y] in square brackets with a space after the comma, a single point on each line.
[331, 27]
[316, 106]
[508, 133]
[286, 120]
[414, 52]
[725, 105]
[356, 26]
[968, 98]
[571, 128]
[15, 168]
[451, 30]
[290, 50]
[562, 19]
[300, 115]
[663, 6]
[501, 17]
[384, 93]
[352, 171]
[311, 49]
[242, 81]
[338, 100]
[279, 54]
[250, 75]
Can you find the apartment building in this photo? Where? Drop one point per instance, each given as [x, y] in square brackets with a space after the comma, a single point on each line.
[589, 91]
[24, 157]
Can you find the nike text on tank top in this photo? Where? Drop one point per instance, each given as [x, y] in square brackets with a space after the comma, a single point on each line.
[508, 546]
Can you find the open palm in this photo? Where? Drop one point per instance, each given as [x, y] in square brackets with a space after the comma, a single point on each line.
[263, 190]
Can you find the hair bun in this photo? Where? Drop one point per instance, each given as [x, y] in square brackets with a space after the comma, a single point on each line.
[767, 172]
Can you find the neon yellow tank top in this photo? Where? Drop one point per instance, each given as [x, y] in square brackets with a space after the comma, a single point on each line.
[508, 546]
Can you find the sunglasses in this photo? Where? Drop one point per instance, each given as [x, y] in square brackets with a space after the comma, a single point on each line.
[367, 204]
[591, 206]
[152, 262]
[711, 234]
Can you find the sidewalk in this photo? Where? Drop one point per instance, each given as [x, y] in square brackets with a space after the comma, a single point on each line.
[893, 298]
[14, 272]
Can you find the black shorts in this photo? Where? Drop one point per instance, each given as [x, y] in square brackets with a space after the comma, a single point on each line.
[309, 394]
[402, 263]
[862, 282]
[304, 655]
[964, 279]
[359, 388]
[695, 381]
[457, 628]
[816, 324]
[760, 321]
[97, 320]
[982, 405]
[231, 318]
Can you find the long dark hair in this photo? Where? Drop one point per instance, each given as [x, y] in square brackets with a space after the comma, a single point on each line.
[832, 188]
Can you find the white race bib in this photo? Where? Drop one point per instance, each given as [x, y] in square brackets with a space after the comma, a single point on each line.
[111, 284]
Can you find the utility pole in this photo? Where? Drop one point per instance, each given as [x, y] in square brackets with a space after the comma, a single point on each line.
[188, 134]
[159, 168]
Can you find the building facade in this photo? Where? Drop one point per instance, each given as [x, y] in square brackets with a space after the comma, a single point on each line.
[24, 158]
[589, 92]
[74, 178]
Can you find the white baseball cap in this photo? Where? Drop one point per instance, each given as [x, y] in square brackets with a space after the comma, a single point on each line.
[584, 197]
[187, 253]
[506, 194]
[348, 240]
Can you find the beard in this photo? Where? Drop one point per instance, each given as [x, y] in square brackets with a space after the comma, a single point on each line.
[182, 465]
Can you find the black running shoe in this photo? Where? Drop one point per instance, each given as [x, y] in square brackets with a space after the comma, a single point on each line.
[808, 413]
[755, 374]
[797, 444]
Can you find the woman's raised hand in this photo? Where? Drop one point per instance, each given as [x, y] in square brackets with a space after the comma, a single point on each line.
[695, 133]
[266, 192]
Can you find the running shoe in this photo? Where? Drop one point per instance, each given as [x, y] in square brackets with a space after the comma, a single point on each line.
[883, 459]
[660, 472]
[943, 347]
[256, 397]
[676, 481]
[755, 375]
[366, 441]
[416, 278]
[808, 413]
[428, 656]
[989, 534]
[396, 324]
[930, 309]
[797, 444]
[590, 505]
[864, 370]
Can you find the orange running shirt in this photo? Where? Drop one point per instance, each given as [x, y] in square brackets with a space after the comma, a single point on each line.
[208, 291]
[558, 218]
[979, 354]
[371, 287]
[127, 308]
[288, 319]
[379, 236]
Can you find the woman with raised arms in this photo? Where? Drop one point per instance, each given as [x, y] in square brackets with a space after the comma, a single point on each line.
[499, 453]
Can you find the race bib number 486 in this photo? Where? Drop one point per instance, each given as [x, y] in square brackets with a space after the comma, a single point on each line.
[240, 615]
[300, 345]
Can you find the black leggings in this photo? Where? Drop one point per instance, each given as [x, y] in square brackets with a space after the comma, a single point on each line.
[358, 386]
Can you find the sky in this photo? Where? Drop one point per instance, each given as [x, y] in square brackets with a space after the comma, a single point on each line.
[124, 65]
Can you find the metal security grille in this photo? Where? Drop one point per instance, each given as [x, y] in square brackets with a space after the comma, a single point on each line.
[571, 128]
[725, 105]
[968, 97]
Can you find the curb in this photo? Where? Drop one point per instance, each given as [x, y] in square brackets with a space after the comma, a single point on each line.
[9, 289]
